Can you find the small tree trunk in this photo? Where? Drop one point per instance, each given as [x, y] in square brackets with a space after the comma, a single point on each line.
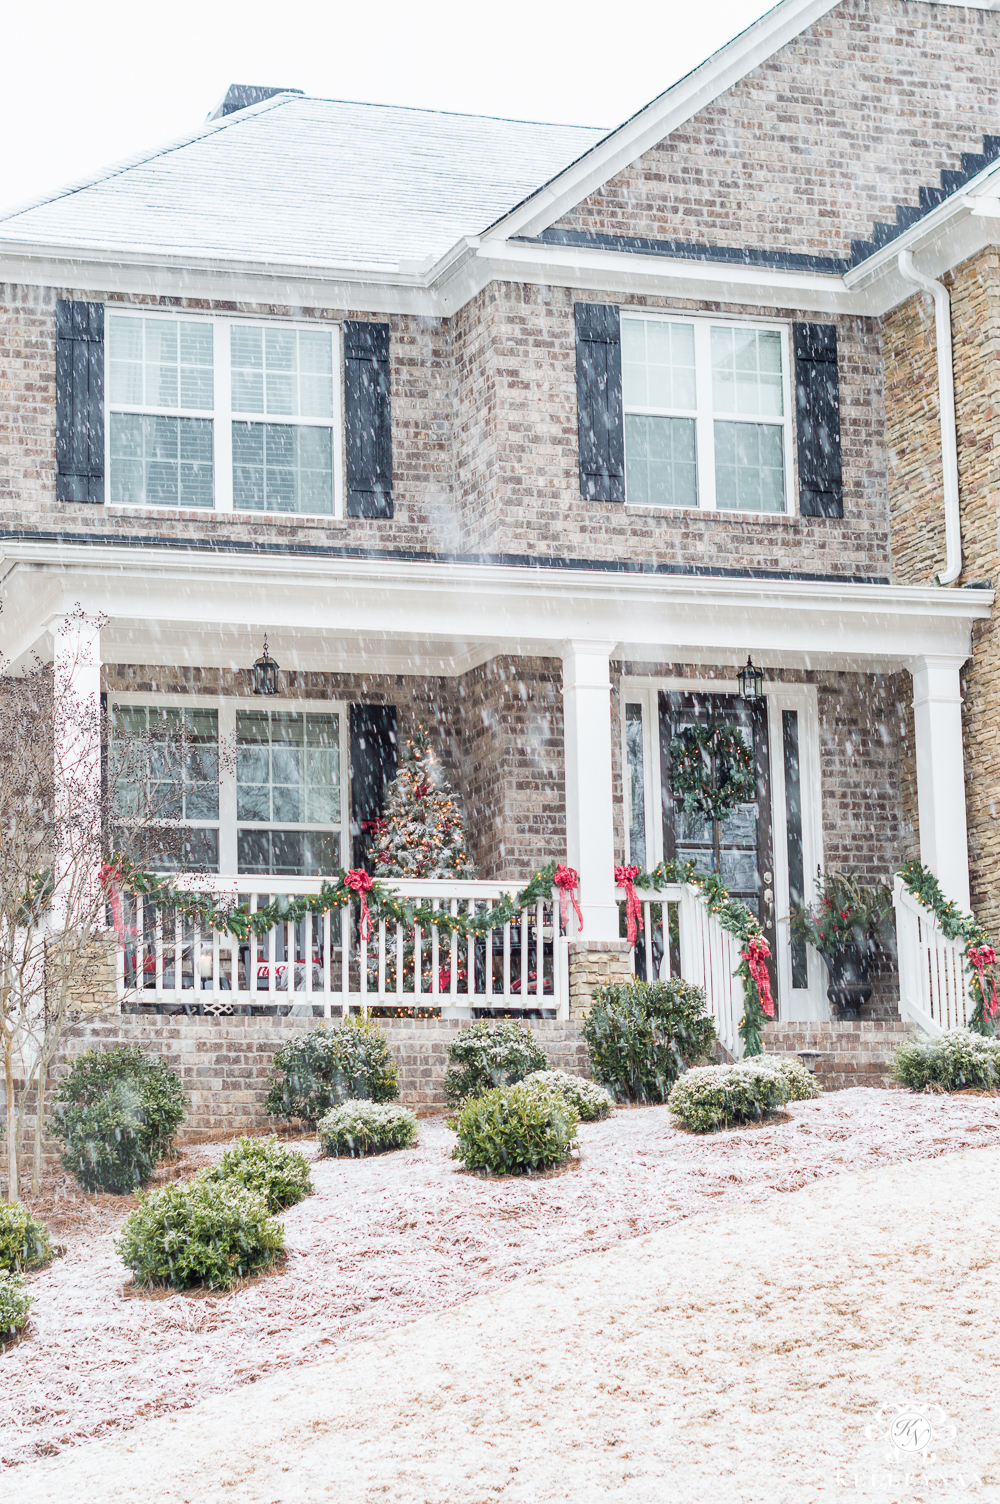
[36, 1161]
[12, 1185]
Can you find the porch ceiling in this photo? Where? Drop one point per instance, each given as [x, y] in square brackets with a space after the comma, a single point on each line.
[186, 607]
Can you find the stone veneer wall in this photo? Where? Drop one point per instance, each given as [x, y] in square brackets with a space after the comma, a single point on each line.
[917, 520]
[225, 1063]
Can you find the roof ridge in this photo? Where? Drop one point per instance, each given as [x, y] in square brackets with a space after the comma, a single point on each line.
[79, 185]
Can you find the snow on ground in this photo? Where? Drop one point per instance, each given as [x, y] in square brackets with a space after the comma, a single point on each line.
[752, 1355]
[386, 1241]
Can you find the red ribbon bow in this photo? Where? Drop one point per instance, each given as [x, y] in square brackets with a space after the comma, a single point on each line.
[360, 882]
[376, 826]
[567, 881]
[110, 878]
[625, 878]
[756, 954]
[982, 956]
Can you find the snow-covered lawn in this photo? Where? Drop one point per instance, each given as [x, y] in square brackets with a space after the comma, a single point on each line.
[385, 1241]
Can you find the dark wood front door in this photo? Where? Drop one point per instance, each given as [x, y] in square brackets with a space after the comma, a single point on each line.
[739, 848]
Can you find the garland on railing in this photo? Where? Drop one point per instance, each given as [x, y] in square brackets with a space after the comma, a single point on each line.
[737, 920]
[377, 899]
[980, 957]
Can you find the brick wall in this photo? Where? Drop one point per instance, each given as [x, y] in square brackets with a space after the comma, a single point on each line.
[825, 137]
[917, 517]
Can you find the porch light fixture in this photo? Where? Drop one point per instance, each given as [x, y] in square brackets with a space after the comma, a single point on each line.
[264, 674]
[751, 681]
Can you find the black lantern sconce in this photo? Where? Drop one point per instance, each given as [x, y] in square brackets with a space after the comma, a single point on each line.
[264, 674]
[751, 681]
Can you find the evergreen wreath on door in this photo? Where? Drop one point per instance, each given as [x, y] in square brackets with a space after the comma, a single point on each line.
[712, 770]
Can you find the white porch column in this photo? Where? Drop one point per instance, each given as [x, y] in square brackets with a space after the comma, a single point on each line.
[937, 717]
[77, 763]
[590, 844]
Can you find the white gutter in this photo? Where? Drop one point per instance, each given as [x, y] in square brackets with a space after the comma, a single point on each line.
[946, 407]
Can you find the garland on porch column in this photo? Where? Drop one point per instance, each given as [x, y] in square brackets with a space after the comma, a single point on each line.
[980, 957]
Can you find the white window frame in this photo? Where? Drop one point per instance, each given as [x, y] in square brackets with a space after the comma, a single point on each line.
[796, 1004]
[221, 415]
[705, 416]
[227, 707]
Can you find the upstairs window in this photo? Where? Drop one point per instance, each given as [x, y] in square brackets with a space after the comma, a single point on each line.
[707, 414]
[222, 414]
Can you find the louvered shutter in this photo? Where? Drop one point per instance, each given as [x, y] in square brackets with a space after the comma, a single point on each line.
[79, 401]
[373, 767]
[599, 402]
[367, 419]
[817, 414]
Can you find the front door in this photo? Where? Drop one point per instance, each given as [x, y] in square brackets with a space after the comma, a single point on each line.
[739, 848]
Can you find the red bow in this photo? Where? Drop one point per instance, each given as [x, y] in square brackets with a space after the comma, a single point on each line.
[567, 880]
[625, 878]
[376, 826]
[110, 878]
[360, 882]
[422, 789]
[756, 954]
[982, 956]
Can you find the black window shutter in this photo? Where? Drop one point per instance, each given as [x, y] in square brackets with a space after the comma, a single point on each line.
[599, 401]
[79, 401]
[817, 414]
[367, 419]
[373, 767]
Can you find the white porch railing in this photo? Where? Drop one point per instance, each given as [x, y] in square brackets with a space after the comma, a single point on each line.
[320, 962]
[933, 982]
[703, 953]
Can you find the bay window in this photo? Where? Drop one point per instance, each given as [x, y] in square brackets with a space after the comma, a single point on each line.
[707, 414]
[223, 414]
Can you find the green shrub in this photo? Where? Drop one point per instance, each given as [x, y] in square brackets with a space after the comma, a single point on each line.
[515, 1130]
[116, 1113]
[715, 1096]
[488, 1055]
[329, 1065]
[590, 1100]
[15, 1304]
[357, 1128]
[200, 1231]
[953, 1060]
[641, 1035]
[266, 1167]
[24, 1243]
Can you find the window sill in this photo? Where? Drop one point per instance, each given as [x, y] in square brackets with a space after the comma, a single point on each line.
[212, 514]
[703, 513]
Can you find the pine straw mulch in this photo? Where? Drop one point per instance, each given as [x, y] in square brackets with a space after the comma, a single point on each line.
[386, 1240]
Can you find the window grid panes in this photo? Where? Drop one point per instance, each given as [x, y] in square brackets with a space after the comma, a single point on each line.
[263, 437]
[705, 415]
[287, 779]
[181, 757]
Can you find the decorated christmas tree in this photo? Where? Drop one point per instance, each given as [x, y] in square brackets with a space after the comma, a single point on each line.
[420, 833]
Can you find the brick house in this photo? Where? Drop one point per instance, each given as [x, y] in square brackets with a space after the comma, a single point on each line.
[533, 434]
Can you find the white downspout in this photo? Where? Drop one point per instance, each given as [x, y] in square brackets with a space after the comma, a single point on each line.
[946, 406]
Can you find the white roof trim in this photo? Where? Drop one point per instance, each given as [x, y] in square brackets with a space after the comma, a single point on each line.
[665, 114]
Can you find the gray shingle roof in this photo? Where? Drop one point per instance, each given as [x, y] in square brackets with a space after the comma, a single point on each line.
[310, 182]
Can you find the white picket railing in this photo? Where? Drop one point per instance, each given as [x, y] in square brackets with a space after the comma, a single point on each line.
[322, 963]
[933, 982]
[705, 954]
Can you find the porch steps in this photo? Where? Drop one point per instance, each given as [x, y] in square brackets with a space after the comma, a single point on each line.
[845, 1053]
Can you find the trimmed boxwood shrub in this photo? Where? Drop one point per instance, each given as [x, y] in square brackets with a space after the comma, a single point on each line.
[332, 1064]
[266, 1167]
[15, 1304]
[515, 1130]
[488, 1055]
[641, 1035]
[717, 1096]
[201, 1231]
[24, 1243]
[952, 1061]
[357, 1128]
[116, 1113]
[591, 1100]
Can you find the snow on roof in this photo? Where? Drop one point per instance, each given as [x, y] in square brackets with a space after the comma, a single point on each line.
[308, 181]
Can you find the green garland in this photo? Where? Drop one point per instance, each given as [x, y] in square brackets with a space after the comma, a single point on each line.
[702, 789]
[955, 925]
[225, 919]
[736, 919]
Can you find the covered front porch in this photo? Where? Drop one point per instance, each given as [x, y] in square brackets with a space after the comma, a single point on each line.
[550, 694]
